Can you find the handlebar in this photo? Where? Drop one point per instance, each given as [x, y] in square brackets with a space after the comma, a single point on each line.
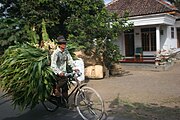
[68, 74]
[73, 74]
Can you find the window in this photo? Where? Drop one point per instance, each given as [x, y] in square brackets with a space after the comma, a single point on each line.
[172, 32]
[148, 36]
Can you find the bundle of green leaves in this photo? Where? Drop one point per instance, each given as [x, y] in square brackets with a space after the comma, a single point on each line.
[26, 76]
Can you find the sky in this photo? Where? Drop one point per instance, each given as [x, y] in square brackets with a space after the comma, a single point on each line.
[107, 1]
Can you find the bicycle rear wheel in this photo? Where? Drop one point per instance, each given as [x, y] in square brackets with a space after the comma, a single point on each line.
[51, 104]
[89, 104]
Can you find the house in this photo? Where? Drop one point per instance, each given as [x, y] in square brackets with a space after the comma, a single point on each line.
[156, 26]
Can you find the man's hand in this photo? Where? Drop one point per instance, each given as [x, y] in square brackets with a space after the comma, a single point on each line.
[76, 70]
[61, 74]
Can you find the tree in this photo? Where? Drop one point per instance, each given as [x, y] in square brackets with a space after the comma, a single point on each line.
[20, 17]
[176, 3]
[82, 21]
[96, 29]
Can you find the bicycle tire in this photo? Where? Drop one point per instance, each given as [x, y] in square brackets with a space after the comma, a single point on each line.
[50, 104]
[89, 103]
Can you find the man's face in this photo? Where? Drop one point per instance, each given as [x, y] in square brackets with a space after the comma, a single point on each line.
[62, 46]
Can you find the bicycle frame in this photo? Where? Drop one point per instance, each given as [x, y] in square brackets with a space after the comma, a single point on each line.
[88, 102]
[77, 87]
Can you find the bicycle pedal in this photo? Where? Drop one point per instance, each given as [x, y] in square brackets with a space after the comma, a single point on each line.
[71, 107]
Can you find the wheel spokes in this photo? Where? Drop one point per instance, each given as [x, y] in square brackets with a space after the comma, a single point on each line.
[89, 104]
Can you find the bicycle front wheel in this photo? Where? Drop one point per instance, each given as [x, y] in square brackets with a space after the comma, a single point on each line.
[89, 104]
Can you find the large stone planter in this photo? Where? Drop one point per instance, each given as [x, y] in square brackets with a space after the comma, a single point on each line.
[116, 69]
[94, 71]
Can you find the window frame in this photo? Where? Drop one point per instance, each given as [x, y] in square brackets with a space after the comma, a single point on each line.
[148, 39]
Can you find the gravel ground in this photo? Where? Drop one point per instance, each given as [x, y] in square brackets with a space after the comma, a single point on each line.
[149, 87]
[141, 95]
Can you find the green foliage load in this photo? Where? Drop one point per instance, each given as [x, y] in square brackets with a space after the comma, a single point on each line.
[26, 76]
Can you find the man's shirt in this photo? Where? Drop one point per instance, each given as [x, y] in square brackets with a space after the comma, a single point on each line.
[59, 61]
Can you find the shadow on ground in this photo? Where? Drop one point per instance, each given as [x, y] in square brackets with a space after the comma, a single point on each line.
[120, 74]
[123, 110]
[8, 112]
[39, 113]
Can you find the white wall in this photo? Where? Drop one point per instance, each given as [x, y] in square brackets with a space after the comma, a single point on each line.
[177, 24]
[163, 37]
[153, 19]
[120, 43]
[137, 37]
[166, 41]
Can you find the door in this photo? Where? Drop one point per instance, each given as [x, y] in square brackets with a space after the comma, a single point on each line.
[178, 37]
[129, 43]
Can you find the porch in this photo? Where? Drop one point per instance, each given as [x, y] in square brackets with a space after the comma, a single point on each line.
[146, 63]
[148, 60]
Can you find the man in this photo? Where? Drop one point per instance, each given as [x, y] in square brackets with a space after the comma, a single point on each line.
[59, 60]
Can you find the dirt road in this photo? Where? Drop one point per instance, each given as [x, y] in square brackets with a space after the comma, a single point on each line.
[142, 86]
[141, 95]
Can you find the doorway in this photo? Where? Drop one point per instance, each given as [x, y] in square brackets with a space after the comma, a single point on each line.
[129, 43]
[178, 37]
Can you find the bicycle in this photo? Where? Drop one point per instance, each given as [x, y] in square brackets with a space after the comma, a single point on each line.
[87, 100]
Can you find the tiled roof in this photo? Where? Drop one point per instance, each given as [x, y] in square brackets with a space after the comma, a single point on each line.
[140, 7]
